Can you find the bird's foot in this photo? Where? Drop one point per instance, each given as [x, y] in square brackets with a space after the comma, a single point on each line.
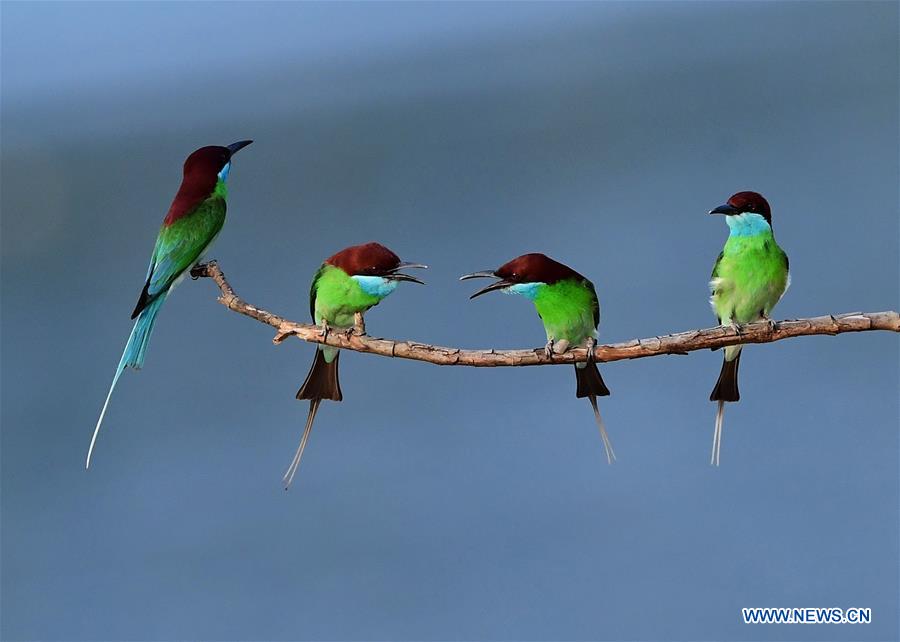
[736, 327]
[324, 329]
[591, 344]
[200, 270]
[773, 325]
[555, 347]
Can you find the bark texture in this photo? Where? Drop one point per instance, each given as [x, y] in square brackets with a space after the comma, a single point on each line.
[678, 343]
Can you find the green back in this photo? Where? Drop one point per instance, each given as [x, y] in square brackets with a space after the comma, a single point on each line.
[182, 243]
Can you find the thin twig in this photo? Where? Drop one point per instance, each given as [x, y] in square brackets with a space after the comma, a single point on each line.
[678, 343]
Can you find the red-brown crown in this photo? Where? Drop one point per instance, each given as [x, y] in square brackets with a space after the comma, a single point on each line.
[752, 202]
[535, 267]
[206, 161]
[201, 171]
[369, 259]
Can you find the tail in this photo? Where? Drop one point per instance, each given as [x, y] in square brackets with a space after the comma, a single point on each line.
[726, 390]
[727, 386]
[322, 381]
[717, 435]
[133, 356]
[295, 464]
[590, 383]
[607, 444]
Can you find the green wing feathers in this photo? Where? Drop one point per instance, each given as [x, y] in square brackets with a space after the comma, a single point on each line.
[179, 246]
[313, 288]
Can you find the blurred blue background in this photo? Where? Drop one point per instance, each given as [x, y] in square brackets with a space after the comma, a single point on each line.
[445, 503]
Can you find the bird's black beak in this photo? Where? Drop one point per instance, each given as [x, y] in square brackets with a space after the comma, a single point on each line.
[399, 276]
[234, 148]
[406, 265]
[486, 274]
[726, 209]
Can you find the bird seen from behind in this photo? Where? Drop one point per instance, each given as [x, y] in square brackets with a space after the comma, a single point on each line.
[192, 223]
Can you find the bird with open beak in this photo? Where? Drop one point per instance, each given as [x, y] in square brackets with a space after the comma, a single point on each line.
[347, 284]
[567, 304]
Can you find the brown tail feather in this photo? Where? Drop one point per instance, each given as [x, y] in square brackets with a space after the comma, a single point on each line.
[322, 380]
[590, 383]
[727, 386]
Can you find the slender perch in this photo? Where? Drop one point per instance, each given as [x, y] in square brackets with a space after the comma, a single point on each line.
[678, 343]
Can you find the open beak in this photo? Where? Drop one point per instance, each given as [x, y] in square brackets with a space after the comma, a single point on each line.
[486, 274]
[234, 148]
[395, 275]
[726, 209]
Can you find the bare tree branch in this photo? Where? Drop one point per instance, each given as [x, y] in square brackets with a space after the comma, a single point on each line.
[678, 343]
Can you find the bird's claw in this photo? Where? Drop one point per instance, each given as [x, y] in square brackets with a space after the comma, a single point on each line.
[591, 344]
[324, 329]
[556, 347]
[199, 270]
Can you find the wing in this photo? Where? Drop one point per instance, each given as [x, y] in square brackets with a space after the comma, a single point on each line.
[179, 246]
[715, 283]
[787, 270]
[714, 278]
[715, 272]
[312, 292]
[595, 304]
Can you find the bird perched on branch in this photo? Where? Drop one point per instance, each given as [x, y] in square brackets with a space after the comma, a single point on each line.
[346, 285]
[567, 304]
[194, 220]
[749, 278]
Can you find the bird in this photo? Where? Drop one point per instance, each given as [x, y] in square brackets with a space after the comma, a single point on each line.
[749, 278]
[346, 285]
[192, 223]
[567, 304]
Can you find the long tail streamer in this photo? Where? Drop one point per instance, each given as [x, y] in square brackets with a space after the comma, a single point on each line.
[717, 435]
[119, 370]
[295, 464]
[132, 356]
[610, 453]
